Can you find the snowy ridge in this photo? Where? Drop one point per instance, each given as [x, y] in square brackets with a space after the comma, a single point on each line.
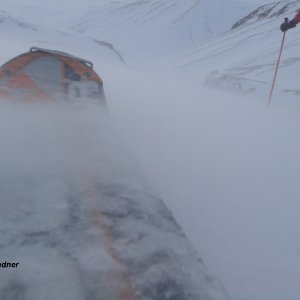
[7, 18]
[243, 60]
[151, 28]
[20, 35]
[268, 11]
[141, 29]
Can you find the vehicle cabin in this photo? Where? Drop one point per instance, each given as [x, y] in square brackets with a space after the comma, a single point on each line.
[50, 74]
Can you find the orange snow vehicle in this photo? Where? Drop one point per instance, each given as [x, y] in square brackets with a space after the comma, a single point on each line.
[50, 74]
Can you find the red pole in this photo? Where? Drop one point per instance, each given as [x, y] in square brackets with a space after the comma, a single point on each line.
[276, 71]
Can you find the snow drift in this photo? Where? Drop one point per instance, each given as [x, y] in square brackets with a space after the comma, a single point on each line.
[79, 220]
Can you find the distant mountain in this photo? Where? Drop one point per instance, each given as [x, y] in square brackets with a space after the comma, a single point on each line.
[243, 60]
[155, 27]
[19, 35]
[8, 19]
[269, 11]
[140, 29]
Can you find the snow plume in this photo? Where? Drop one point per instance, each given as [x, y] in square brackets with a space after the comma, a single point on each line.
[78, 218]
[228, 168]
[37, 156]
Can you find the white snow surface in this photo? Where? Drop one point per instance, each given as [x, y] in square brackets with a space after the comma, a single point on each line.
[143, 29]
[79, 220]
[194, 118]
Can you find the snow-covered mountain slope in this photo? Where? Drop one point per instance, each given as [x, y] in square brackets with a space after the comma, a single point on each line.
[244, 58]
[139, 28]
[269, 11]
[155, 27]
[53, 13]
[18, 36]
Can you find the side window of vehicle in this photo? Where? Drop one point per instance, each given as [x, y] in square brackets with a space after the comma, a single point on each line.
[70, 73]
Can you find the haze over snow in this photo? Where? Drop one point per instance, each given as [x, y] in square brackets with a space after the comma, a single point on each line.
[227, 167]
